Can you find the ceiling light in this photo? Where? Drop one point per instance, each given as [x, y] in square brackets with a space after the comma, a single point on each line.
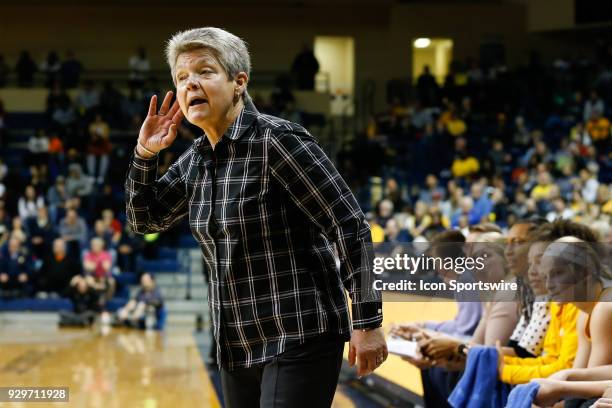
[422, 42]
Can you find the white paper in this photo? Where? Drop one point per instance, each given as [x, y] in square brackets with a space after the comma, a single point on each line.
[403, 347]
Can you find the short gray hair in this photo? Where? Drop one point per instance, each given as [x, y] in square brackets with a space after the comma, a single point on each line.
[230, 50]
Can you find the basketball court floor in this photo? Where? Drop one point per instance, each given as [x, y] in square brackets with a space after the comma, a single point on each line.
[124, 368]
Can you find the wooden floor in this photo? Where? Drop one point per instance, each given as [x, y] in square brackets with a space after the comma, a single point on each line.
[121, 369]
[136, 369]
[401, 308]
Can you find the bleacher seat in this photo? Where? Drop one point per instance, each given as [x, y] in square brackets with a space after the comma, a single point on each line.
[25, 120]
[187, 241]
[115, 303]
[159, 265]
[35, 305]
[167, 253]
[127, 278]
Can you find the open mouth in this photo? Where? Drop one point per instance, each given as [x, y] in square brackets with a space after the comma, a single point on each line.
[197, 101]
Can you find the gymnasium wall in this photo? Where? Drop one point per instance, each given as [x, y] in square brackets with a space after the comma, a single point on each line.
[104, 37]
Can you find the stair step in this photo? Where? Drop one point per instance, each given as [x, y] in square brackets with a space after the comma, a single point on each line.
[173, 278]
[186, 307]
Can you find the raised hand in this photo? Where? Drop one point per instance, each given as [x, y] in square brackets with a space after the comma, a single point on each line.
[158, 130]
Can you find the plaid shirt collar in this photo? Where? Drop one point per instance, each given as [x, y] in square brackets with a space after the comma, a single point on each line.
[247, 116]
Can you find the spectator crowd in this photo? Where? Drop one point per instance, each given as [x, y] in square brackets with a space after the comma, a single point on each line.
[493, 154]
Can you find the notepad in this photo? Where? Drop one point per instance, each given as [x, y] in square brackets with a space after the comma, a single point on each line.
[402, 347]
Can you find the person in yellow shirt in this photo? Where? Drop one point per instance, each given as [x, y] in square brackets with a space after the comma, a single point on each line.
[560, 346]
[544, 188]
[598, 127]
[455, 125]
[607, 207]
[464, 165]
[378, 232]
[561, 339]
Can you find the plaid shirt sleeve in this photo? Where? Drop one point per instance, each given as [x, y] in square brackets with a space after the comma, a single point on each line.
[154, 205]
[315, 186]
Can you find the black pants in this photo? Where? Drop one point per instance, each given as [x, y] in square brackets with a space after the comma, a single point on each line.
[438, 384]
[579, 403]
[304, 376]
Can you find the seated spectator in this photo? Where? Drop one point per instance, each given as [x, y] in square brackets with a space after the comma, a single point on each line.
[77, 183]
[98, 149]
[110, 104]
[101, 231]
[29, 203]
[111, 223]
[384, 211]
[128, 245]
[378, 232]
[15, 270]
[445, 245]
[395, 238]
[87, 99]
[57, 271]
[394, 193]
[132, 106]
[464, 165]
[466, 205]
[431, 189]
[18, 230]
[560, 211]
[64, 116]
[455, 125]
[572, 257]
[3, 166]
[147, 304]
[85, 304]
[498, 320]
[98, 263]
[4, 234]
[536, 155]
[38, 146]
[56, 97]
[588, 178]
[74, 232]
[57, 196]
[598, 128]
[593, 104]
[56, 155]
[543, 188]
[417, 221]
[482, 203]
[42, 232]
[560, 338]
[499, 315]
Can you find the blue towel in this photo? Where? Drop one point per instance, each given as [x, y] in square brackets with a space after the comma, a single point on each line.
[479, 386]
[522, 395]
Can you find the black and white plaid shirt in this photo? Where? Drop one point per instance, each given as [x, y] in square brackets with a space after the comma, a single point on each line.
[266, 206]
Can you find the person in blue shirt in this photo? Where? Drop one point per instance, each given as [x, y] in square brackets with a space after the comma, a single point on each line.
[133, 314]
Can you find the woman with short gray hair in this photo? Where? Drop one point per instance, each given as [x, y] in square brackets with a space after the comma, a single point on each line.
[266, 206]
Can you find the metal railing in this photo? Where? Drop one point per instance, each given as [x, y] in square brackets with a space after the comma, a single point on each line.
[159, 77]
